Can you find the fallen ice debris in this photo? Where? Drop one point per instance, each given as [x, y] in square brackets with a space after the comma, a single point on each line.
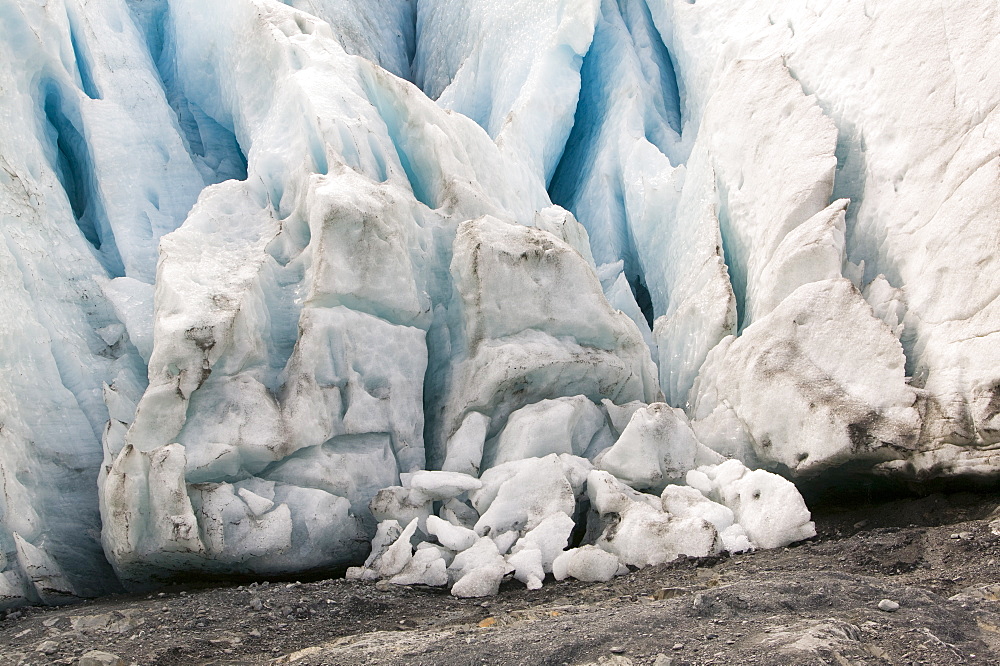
[557, 515]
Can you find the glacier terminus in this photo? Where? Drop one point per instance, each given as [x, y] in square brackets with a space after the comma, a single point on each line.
[448, 292]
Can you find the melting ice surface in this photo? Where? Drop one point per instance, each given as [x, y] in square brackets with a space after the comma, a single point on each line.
[454, 290]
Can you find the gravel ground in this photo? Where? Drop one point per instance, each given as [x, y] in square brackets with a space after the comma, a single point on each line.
[819, 602]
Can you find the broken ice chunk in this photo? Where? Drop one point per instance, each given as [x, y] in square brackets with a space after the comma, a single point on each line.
[478, 571]
[527, 564]
[656, 447]
[426, 567]
[549, 538]
[587, 563]
[451, 536]
[687, 502]
[440, 486]
[530, 491]
[465, 447]
[564, 425]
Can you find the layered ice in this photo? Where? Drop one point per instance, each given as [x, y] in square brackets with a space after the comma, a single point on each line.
[463, 292]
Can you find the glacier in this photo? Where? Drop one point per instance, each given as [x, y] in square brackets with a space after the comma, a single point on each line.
[446, 292]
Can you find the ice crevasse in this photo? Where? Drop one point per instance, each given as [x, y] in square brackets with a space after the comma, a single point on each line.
[451, 292]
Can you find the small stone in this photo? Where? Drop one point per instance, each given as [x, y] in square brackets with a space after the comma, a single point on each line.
[965, 536]
[663, 660]
[200, 625]
[617, 649]
[101, 658]
[254, 633]
[669, 593]
[860, 524]
[888, 606]
[678, 646]
[161, 595]
[184, 594]
[256, 604]
[954, 535]
[47, 647]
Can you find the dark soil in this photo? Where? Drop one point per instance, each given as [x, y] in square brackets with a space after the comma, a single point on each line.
[813, 603]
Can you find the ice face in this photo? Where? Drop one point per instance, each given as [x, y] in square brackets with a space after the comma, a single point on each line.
[469, 281]
[911, 159]
[836, 371]
[94, 172]
[513, 67]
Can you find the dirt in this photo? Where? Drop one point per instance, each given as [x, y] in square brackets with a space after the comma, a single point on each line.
[814, 603]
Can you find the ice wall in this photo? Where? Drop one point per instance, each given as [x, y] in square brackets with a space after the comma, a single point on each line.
[911, 90]
[267, 265]
[94, 172]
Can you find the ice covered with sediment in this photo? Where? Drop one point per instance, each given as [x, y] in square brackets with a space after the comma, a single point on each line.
[836, 371]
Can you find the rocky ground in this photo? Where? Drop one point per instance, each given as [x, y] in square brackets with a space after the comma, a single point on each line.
[819, 602]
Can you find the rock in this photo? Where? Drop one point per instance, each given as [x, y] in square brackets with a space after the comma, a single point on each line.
[47, 647]
[613, 660]
[978, 593]
[117, 622]
[663, 660]
[670, 593]
[617, 649]
[100, 658]
[888, 606]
